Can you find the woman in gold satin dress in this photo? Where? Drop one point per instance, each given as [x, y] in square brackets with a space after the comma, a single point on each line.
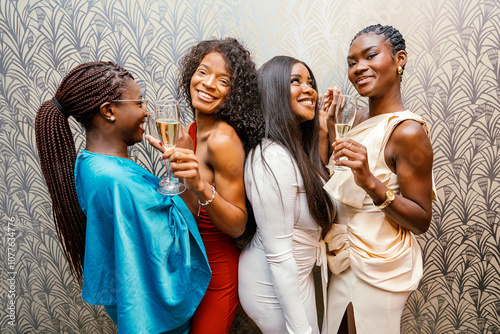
[386, 197]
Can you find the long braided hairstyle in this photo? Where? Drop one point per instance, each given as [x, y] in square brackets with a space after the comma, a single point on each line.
[80, 94]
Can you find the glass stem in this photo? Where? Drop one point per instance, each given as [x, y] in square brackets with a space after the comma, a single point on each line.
[167, 168]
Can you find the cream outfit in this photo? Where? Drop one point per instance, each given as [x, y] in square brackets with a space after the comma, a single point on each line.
[381, 255]
[276, 285]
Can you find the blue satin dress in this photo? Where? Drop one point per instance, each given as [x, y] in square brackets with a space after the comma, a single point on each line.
[144, 257]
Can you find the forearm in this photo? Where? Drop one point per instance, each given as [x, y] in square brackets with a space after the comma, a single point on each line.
[401, 210]
[332, 135]
[226, 217]
[327, 139]
[285, 279]
[324, 146]
[273, 193]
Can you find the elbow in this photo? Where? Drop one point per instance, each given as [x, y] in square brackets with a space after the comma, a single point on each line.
[419, 231]
[422, 227]
[421, 221]
[238, 229]
[236, 233]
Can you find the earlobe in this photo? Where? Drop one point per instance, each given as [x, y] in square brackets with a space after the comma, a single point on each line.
[107, 111]
[402, 58]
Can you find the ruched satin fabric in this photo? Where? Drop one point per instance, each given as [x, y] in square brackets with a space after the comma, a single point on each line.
[143, 253]
[379, 251]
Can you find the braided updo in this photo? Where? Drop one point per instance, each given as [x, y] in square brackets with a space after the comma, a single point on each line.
[80, 94]
[391, 34]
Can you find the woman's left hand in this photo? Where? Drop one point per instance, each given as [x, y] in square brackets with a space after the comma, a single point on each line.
[326, 115]
[327, 103]
[357, 161]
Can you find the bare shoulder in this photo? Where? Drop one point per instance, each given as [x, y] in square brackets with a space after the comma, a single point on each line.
[409, 142]
[225, 148]
[410, 132]
[223, 136]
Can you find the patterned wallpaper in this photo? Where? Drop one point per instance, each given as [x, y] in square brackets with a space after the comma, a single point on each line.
[452, 79]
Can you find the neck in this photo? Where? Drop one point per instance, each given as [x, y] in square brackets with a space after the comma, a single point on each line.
[107, 145]
[388, 103]
[204, 122]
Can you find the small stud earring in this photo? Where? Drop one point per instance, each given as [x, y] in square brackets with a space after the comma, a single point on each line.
[400, 70]
[112, 118]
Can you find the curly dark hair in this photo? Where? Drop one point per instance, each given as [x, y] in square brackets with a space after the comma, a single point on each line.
[80, 94]
[241, 109]
[391, 34]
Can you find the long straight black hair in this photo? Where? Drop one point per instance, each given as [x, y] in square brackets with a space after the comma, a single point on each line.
[301, 139]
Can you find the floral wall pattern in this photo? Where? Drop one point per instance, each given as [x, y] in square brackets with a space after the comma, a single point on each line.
[452, 79]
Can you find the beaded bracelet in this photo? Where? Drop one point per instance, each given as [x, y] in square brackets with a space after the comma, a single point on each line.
[206, 202]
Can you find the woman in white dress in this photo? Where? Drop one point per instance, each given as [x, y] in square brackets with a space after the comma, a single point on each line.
[284, 179]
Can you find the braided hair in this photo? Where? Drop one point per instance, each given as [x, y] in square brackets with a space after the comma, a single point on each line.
[80, 94]
[391, 34]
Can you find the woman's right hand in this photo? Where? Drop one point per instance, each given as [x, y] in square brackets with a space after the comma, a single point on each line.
[357, 161]
[184, 140]
[184, 164]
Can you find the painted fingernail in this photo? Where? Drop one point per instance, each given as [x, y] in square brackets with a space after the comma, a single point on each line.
[161, 144]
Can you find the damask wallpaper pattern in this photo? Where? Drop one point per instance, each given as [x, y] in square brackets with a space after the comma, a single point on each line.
[452, 79]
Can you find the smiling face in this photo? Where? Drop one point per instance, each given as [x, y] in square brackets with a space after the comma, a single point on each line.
[210, 83]
[130, 115]
[372, 67]
[303, 96]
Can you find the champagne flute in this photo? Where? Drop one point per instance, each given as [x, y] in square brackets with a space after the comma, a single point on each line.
[345, 112]
[167, 121]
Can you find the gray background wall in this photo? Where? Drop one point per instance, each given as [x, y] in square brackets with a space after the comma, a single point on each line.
[452, 79]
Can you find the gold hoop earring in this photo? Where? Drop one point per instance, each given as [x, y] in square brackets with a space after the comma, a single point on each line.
[400, 70]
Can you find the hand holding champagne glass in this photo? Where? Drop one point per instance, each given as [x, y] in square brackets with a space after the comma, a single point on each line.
[167, 122]
[345, 113]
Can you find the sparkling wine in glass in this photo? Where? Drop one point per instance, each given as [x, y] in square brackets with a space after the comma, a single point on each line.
[345, 112]
[167, 121]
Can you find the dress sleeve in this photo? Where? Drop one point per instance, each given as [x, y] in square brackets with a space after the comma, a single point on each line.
[273, 192]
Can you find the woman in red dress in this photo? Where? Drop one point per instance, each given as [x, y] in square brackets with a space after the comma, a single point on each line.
[219, 81]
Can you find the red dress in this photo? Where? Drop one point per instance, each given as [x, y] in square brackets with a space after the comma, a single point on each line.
[216, 311]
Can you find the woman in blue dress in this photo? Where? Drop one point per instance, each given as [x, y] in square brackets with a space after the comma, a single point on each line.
[135, 251]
